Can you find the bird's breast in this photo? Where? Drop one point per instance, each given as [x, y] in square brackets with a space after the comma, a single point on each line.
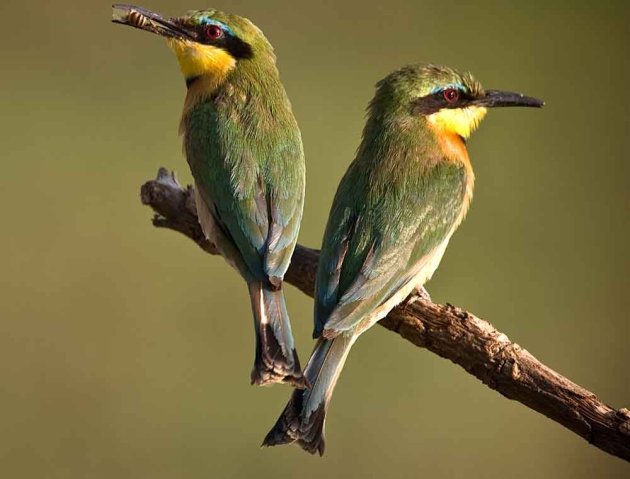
[454, 150]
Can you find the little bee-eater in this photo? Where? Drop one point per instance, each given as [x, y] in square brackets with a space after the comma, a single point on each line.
[244, 149]
[395, 210]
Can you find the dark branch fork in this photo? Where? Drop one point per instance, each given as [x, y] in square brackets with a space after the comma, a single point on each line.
[446, 330]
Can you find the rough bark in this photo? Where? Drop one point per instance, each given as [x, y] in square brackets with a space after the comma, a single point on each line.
[446, 330]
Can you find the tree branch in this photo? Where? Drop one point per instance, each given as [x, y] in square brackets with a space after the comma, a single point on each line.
[446, 330]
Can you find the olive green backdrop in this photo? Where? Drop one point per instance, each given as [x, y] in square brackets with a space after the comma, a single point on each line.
[125, 351]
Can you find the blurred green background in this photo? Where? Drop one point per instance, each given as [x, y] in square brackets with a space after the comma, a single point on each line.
[125, 351]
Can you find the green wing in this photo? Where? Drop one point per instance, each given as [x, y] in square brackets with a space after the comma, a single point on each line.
[251, 173]
[378, 233]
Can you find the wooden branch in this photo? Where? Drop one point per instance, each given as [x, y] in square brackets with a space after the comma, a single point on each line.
[446, 330]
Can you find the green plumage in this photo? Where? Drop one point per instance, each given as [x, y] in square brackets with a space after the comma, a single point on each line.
[245, 152]
[399, 201]
[244, 149]
[392, 217]
[396, 204]
[393, 214]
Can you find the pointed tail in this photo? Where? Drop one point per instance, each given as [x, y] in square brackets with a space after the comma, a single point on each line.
[276, 359]
[303, 419]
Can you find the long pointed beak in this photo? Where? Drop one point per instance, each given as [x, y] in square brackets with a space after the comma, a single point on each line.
[138, 17]
[496, 98]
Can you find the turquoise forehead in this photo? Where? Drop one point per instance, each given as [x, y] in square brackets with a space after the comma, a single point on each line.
[208, 20]
[457, 86]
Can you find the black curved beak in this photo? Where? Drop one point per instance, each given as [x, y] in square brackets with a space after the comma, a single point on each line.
[138, 17]
[498, 98]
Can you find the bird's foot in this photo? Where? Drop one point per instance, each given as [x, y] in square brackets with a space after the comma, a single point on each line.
[422, 293]
[418, 293]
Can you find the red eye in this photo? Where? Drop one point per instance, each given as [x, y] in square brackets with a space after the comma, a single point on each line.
[451, 95]
[213, 32]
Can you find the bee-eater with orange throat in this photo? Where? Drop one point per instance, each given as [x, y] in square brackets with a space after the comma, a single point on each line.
[395, 210]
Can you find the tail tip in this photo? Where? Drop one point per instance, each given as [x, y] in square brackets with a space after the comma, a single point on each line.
[279, 436]
[321, 448]
[291, 427]
[271, 367]
[317, 447]
[268, 376]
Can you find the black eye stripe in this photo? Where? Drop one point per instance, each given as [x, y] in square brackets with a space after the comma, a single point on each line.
[232, 44]
[435, 102]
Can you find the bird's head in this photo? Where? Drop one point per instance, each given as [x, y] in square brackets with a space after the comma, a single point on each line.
[451, 102]
[205, 42]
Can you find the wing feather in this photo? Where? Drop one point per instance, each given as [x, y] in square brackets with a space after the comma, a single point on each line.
[254, 182]
[376, 244]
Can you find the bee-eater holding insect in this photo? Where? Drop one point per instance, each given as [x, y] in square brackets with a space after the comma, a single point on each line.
[244, 149]
[395, 210]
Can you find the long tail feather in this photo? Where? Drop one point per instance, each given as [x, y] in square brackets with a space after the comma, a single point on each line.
[276, 359]
[304, 418]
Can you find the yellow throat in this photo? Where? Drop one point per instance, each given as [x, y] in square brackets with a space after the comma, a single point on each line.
[460, 121]
[211, 65]
[198, 60]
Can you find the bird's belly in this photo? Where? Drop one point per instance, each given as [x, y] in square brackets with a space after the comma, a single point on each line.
[425, 270]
